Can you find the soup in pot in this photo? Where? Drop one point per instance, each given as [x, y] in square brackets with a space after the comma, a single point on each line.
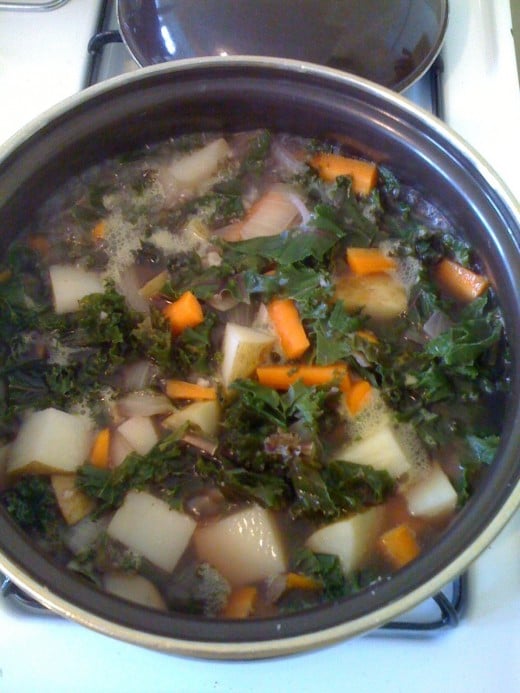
[243, 375]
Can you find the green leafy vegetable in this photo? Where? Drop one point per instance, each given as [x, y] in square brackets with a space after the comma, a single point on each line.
[32, 504]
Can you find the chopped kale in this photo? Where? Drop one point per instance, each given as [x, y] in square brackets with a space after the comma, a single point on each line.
[32, 504]
[168, 466]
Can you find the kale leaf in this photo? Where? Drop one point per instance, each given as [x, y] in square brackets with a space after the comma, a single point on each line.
[167, 469]
[31, 502]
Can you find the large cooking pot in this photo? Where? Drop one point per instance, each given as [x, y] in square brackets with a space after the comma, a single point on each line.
[245, 93]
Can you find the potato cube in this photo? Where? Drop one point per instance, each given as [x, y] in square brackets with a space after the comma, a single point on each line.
[432, 496]
[50, 441]
[243, 349]
[205, 415]
[381, 449]
[140, 433]
[134, 588]
[351, 540]
[74, 504]
[150, 527]
[70, 284]
[381, 296]
[243, 547]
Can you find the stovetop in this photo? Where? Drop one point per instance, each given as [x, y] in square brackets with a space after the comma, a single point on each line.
[46, 652]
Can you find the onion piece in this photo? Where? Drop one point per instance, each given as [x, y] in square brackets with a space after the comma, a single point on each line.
[144, 403]
[154, 285]
[300, 206]
[286, 160]
[437, 323]
[138, 375]
[273, 213]
[209, 446]
[223, 301]
[128, 285]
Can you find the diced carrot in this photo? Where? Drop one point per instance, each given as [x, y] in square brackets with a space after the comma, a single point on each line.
[100, 453]
[183, 313]
[288, 326]
[357, 396]
[179, 389]
[460, 282]
[296, 581]
[39, 243]
[368, 336]
[369, 261]
[99, 231]
[241, 603]
[399, 545]
[330, 166]
[282, 377]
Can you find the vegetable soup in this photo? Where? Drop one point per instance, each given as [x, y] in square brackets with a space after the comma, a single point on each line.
[242, 375]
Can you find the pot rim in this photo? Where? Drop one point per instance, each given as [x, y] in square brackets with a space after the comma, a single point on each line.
[283, 645]
[276, 64]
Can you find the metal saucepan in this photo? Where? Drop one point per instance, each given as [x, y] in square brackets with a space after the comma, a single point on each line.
[243, 93]
[391, 43]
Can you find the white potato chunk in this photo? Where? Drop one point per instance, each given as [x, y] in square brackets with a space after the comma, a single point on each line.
[140, 433]
[134, 588]
[244, 547]
[198, 166]
[73, 503]
[432, 496]
[50, 441]
[381, 449]
[243, 350]
[149, 527]
[382, 296]
[70, 284]
[351, 540]
[205, 415]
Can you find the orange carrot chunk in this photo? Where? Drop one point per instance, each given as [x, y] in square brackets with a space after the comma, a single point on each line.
[99, 230]
[330, 166]
[357, 396]
[399, 545]
[460, 282]
[369, 261]
[288, 325]
[179, 389]
[282, 377]
[183, 313]
[241, 603]
[100, 453]
[296, 581]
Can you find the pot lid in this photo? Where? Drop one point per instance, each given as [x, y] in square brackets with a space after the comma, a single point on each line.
[391, 42]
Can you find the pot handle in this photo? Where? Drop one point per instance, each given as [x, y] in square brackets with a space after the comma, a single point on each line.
[10, 591]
